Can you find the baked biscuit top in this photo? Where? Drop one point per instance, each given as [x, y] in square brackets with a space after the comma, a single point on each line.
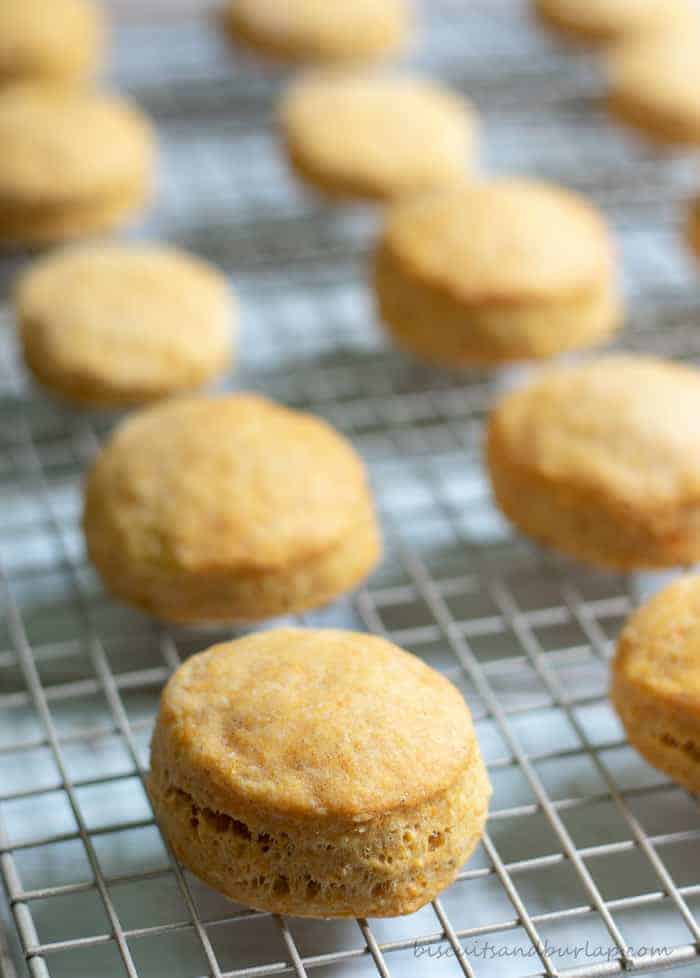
[312, 723]
[622, 426]
[60, 146]
[501, 241]
[229, 483]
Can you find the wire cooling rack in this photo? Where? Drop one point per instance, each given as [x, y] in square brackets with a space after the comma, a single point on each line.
[591, 862]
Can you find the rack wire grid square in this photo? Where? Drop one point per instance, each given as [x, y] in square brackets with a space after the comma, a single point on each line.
[590, 865]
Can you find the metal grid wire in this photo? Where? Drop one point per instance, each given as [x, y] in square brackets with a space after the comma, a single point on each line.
[590, 865]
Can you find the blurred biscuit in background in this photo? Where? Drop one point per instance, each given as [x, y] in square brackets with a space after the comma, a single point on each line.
[606, 21]
[375, 136]
[72, 163]
[496, 271]
[320, 31]
[654, 85]
[52, 40]
[229, 508]
[693, 226]
[601, 461]
[113, 325]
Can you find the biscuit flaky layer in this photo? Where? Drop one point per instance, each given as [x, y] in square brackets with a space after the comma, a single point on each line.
[495, 271]
[318, 773]
[229, 508]
[656, 681]
[602, 461]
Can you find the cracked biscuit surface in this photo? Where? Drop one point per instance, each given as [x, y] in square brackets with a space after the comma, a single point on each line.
[656, 681]
[228, 508]
[318, 773]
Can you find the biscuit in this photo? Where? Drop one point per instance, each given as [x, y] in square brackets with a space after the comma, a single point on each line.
[318, 773]
[113, 325]
[602, 461]
[495, 271]
[693, 226]
[606, 21]
[228, 508]
[51, 40]
[374, 136]
[656, 681]
[654, 86]
[72, 163]
[319, 31]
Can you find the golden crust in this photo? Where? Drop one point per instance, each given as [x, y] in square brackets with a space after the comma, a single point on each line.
[606, 21]
[319, 773]
[228, 508]
[49, 181]
[319, 31]
[535, 274]
[693, 227]
[656, 681]
[654, 85]
[113, 325]
[60, 40]
[36, 227]
[376, 136]
[602, 461]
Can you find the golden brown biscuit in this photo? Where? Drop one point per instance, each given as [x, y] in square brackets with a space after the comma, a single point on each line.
[228, 509]
[654, 85]
[656, 681]
[605, 21]
[112, 325]
[693, 226]
[72, 163]
[319, 31]
[376, 136]
[53, 40]
[496, 271]
[318, 773]
[602, 461]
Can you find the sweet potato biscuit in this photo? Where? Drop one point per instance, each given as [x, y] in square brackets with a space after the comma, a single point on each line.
[654, 85]
[376, 136]
[656, 681]
[319, 31]
[602, 461]
[52, 40]
[495, 271]
[693, 227]
[318, 773]
[228, 508]
[72, 163]
[112, 325]
[606, 21]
